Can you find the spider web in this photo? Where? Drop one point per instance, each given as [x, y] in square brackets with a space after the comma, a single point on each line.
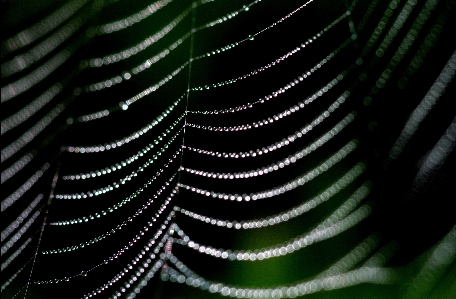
[249, 149]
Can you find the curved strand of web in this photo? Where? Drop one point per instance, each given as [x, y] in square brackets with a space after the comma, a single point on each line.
[85, 273]
[275, 62]
[30, 134]
[288, 247]
[382, 255]
[126, 179]
[160, 210]
[284, 142]
[277, 165]
[16, 237]
[119, 204]
[13, 197]
[36, 105]
[347, 279]
[291, 185]
[17, 166]
[10, 280]
[8, 261]
[124, 105]
[384, 20]
[388, 39]
[149, 62]
[439, 259]
[133, 19]
[28, 81]
[120, 165]
[347, 262]
[309, 127]
[424, 49]
[435, 158]
[128, 139]
[24, 160]
[15, 224]
[153, 255]
[43, 27]
[23, 61]
[424, 107]
[339, 221]
[124, 54]
[370, 43]
[115, 185]
[246, 154]
[252, 36]
[153, 88]
[355, 256]
[118, 79]
[23, 115]
[366, 15]
[406, 43]
[28, 111]
[127, 53]
[136, 70]
[19, 63]
[283, 114]
[299, 210]
[283, 89]
[398, 25]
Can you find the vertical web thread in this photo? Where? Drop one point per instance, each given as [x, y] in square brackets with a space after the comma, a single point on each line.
[192, 39]
[168, 247]
[51, 196]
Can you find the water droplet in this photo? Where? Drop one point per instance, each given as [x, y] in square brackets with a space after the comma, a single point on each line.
[246, 8]
[83, 273]
[251, 37]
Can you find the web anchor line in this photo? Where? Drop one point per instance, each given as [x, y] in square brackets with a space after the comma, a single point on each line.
[46, 213]
[190, 60]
